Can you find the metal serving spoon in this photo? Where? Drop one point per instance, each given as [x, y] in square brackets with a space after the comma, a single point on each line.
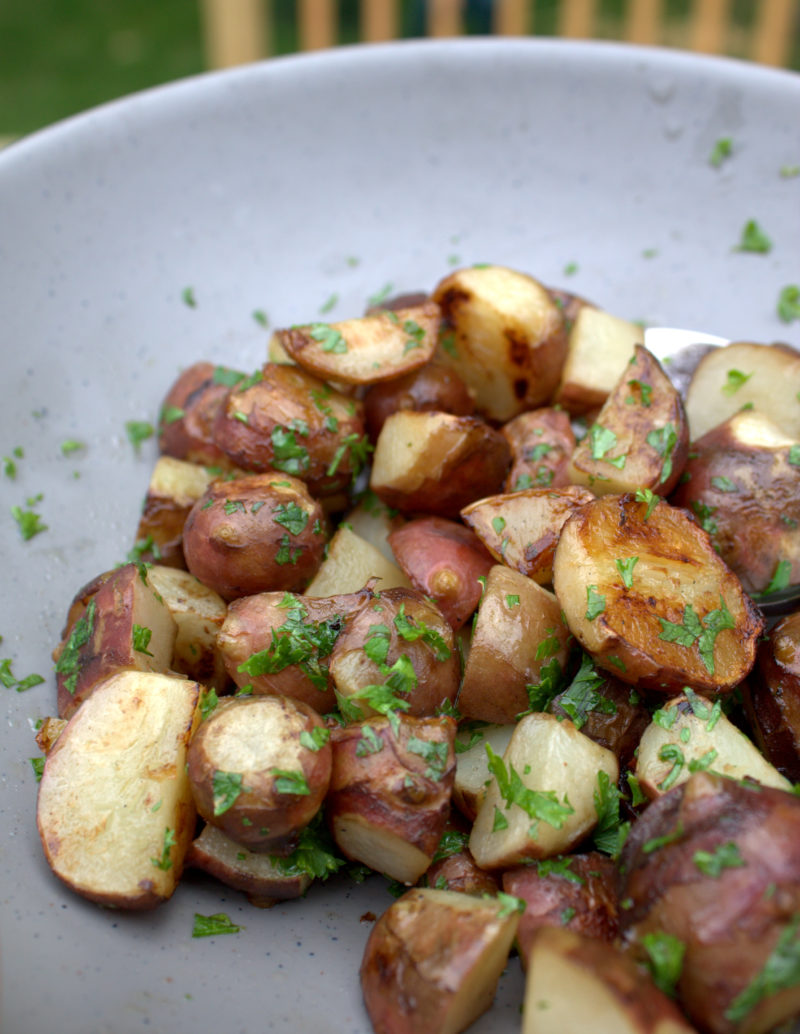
[681, 351]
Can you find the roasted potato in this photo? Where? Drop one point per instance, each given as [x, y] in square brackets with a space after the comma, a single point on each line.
[433, 387]
[454, 868]
[542, 442]
[640, 437]
[436, 463]
[389, 797]
[350, 562]
[433, 960]
[472, 763]
[115, 811]
[259, 768]
[505, 337]
[711, 874]
[187, 416]
[175, 486]
[259, 533]
[444, 560]
[646, 595]
[772, 697]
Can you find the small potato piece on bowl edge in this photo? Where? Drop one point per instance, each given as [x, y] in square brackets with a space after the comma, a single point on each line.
[647, 596]
[433, 959]
[115, 811]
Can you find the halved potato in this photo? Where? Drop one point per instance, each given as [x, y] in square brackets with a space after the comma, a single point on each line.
[541, 801]
[115, 810]
[433, 960]
[766, 377]
[508, 338]
[376, 347]
[599, 348]
[647, 596]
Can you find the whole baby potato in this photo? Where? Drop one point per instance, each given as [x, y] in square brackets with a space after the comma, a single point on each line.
[256, 534]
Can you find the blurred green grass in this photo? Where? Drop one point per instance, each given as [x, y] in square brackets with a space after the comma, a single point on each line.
[59, 57]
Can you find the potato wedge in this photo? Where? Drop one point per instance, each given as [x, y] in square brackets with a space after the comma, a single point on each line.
[373, 348]
[578, 984]
[115, 810]
[472, 763]
[175, 486]
[640, 437]
[518, 630]
[433, 960]
[522, 529]
[599, 348]
[350, 562]
[691, 735]
[436, 463]
[646, 595]
[542, 441]
[766, 377]
[507, 339]
[541, 801]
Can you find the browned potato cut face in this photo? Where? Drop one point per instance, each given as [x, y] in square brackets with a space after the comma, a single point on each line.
[436, 463]
[259, 769]
[198, 613]
[277, 643]
[48, 732]
[472, 763]
[506, 338]
[295, 423]
[765, 377]
[433, 960]
[400, 631]
[542, 442]
[646, 595]
[578, 984]
[376, 347]
[175, 486]
[561, 766]
[772, 698]
[640, 437]
[699, 736]
[433, 387]
[518, 630]
[714, 863]
[389, 797]
[259, 876]
[258, 533]
[350, 563]
[522, 529]
[742, 482]
[188, 413]
[125, 625]
[115, 810]
[599, 348]
[444, 560]
[577, 892]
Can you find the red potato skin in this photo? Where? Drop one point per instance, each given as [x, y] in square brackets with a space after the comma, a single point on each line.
[460, 872]
[772, 697]
[729, 923]
[433, 387]
[542, 442]
[444, 560]
[593, 901]
[620, 731]
[190, 436]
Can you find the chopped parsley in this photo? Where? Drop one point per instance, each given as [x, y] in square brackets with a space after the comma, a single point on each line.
[780, 972]
[754, 239]
[68, 663]
[559, 866]
[647, 495]
[434, 753]
[722, 150]
[260, 317]
[583, 695]
[609, 833]
[509, 904]
[10, 681]
[370, 742]
[665, 959]
[314, 855]
[625, 568]
[595, 603]
[291, 782]
[663, 440]
[724, 856]
[210, 926]
[380, 296]
[141, 637]
[452, 842]
[138, 431]
[297, 641]
[329, 338]
[29, 522]
[226, 788]
[291, 516]
[781, 577]
[645, 393]
[540, 805]
[789, 303]
[188, 298]
[165, 862]
[314, 739]
[703, 632]
[734, 380]
[602, 440]
[724, 484]
[411, 630]
[382, 697]
[287, 454]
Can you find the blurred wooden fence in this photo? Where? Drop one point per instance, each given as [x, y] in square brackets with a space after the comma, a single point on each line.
[238, 31]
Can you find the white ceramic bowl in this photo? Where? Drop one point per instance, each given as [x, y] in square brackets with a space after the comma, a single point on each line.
[274, 187]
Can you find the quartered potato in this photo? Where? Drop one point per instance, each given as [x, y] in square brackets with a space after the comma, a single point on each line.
[189, 411]
[376, 347]
[472, 763]
[647, 596]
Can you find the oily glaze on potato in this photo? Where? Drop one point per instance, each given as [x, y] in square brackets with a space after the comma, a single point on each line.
[434, 387]
[647, 596]
[259, 533]
[714, 864]
[542, 442]
[290, 421]
[259, 768]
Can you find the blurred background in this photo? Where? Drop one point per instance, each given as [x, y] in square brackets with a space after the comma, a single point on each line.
[59, 57]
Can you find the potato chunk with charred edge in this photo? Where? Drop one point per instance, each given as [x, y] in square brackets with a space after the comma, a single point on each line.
[433, 960]
[436, 463]
[711, 872]
[376, 347]
[115, 810]
[120, 624]
[258, 533]
[518, 630]
[640, 437]
[646, 595]
[402, 634]
[541, 801]
[507, 338]
[389, 797]
[542, 442]
[259, 769]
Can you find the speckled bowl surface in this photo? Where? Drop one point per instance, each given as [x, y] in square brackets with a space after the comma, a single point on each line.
[274, 188]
